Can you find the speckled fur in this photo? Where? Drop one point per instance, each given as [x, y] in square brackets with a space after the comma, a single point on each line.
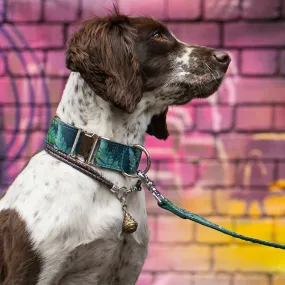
[75, 224]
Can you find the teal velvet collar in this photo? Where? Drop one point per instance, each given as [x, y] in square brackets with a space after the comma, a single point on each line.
[95, 150]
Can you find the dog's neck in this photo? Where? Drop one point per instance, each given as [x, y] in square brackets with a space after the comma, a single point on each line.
[82, 108]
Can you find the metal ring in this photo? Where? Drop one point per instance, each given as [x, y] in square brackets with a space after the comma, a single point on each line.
[148, 162]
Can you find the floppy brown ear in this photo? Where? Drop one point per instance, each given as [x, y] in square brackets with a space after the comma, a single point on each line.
[103, 52]
[158, 126]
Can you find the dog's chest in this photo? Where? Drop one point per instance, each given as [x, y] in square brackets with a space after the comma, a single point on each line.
[104, 262]
[76, 225]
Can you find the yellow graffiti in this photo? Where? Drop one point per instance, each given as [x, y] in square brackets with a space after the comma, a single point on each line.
[248, 166]
[269, 136]
[277, 185]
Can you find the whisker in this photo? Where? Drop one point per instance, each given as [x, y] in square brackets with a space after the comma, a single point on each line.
[211, 71]
[199, 86]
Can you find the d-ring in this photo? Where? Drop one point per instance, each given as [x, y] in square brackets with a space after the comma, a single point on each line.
[147, 165]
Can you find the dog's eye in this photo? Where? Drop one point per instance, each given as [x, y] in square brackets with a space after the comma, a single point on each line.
[157, 36]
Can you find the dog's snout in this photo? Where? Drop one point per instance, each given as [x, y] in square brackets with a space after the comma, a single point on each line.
[221, 57]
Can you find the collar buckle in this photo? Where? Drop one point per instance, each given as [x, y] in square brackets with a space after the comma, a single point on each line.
[94, 150]
[87, 146]
[96, 140]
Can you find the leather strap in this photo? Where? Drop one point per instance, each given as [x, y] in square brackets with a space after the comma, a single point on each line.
[78, 165]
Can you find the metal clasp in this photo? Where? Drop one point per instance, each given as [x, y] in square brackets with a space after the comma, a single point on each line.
[144, 150]
[94, 144]
[96, 139]
[75, 143]
[149, 184]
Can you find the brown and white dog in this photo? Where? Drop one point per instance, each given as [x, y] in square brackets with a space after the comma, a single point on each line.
[60, 227]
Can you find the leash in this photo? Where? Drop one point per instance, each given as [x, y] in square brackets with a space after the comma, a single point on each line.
[162, 202]
[64, 142]
[166, 204]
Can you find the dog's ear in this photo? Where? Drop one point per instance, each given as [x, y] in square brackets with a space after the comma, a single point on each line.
[102, 51]
[158, 126]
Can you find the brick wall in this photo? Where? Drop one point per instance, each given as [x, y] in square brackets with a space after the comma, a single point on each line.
[224, 153]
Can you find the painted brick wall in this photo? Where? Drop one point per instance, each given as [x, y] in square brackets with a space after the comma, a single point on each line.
[225, 158]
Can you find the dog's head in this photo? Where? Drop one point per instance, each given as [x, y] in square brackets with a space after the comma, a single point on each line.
[127, 60]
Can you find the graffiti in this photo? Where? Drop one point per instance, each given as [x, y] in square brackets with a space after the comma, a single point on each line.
[27, 92]
[225, 157]
[256, 169]
[248, 195]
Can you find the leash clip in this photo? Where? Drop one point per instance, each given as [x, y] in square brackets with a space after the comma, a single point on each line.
[149, 184]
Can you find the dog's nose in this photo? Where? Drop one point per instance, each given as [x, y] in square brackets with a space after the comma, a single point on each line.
[222, 57]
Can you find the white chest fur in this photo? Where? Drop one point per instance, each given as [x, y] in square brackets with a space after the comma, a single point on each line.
[74, 221]
[65, 210]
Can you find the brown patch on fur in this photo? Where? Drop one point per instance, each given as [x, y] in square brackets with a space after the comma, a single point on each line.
[103, 52]
[19, 262]
[120, 59]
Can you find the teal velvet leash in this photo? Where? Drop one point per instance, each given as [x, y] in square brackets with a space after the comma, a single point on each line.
[184, 214]
[64, 140]
[166, 204]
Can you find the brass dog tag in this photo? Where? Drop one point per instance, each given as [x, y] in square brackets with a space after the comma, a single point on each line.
[130, 225]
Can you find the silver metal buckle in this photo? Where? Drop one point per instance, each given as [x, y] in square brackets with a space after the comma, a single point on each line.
[148, 162]
[95, 142]
[75, 143]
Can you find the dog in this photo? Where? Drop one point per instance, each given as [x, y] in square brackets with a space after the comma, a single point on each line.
[61, 227]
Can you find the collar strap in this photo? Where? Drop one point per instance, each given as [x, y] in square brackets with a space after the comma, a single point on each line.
[95, 150]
